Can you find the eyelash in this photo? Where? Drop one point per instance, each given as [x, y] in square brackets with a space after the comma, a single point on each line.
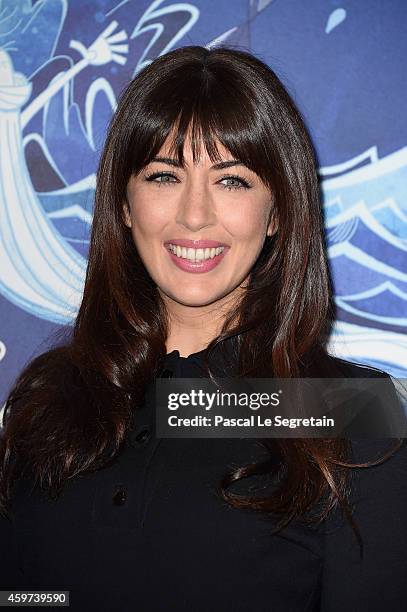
[244, 183]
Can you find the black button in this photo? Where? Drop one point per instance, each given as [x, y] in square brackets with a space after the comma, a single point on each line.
[143, 436]
[166, 374]
[119, 498]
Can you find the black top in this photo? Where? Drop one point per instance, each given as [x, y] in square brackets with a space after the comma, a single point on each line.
[150, 532]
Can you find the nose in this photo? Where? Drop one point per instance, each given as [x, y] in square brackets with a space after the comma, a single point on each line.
[196, 208]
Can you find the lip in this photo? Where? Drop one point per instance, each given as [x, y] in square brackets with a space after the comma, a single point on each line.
[195, 244]
[205, 265]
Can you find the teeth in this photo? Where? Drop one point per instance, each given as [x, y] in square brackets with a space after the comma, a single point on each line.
[195, 254]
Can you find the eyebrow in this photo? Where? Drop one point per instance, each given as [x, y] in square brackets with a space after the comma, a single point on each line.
[219, 166]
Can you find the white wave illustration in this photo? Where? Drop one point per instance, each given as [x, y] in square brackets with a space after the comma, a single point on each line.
[375, 169]
[355, 254]
[343, 231]
[39, 271]
[391, 205]
[345, 302]
[72, 211]
[89, 182]
[355, 343]
[379, 189]
[366, 228]
[362, 212]
[391, 216]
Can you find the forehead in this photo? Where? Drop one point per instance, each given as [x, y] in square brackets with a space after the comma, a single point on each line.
[168, 149]
[195, 147]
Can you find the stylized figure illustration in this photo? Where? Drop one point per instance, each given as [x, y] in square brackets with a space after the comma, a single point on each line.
[45, 218]
[106, 48]
[40, 271]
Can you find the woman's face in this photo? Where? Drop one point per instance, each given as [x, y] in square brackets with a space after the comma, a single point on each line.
[198, 229]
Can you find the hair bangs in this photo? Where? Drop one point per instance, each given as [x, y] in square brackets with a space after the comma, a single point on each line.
[208, 125]
[203, 116]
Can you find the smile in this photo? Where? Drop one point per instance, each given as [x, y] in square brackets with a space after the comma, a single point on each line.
[196, 260]
[195, 254]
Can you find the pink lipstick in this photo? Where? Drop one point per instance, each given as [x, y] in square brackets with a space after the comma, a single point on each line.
[196, 255]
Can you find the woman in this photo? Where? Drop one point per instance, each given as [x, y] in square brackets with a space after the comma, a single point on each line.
[206, 258]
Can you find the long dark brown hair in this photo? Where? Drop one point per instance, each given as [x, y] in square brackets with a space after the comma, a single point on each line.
[71, 407]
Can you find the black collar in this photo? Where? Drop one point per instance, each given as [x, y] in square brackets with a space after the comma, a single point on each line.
[221, 360]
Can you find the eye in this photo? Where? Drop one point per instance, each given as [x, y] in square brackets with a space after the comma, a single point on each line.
[167, 176]
[164, 175]
[243, 183]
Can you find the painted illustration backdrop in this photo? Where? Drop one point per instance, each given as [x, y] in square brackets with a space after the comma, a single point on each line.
[63, 64]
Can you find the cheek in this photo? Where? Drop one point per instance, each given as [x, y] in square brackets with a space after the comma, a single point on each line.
[149, 219]
[246, 223]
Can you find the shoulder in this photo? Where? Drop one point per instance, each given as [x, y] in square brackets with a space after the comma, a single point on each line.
[322, 364]
[370, 405]
[354, 369]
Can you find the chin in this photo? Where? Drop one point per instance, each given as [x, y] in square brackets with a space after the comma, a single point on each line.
[194, 298]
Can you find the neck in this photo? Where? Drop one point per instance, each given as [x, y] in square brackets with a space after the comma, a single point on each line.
[191, 328]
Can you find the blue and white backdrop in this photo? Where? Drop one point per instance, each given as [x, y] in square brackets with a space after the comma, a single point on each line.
[62, 66]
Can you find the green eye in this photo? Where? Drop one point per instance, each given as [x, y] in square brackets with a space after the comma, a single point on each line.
[165, 175]
[243, 184]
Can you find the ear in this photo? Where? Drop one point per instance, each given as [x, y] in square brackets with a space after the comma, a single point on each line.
[126, 214]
